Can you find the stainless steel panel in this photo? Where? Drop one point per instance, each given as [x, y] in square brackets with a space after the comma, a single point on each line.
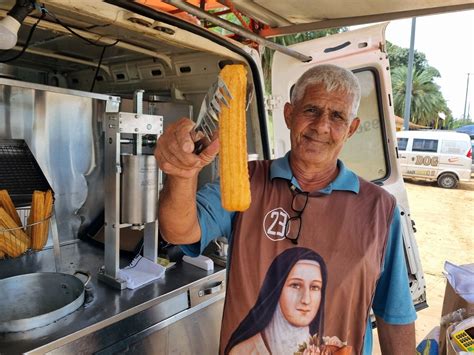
[128, 327]
[139, 187]
[104, 306]
[198, 333]
[207, 290]
[63, 130]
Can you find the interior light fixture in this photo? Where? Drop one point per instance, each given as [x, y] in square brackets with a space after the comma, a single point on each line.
[10, 25]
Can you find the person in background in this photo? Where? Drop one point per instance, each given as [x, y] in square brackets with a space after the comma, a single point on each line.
[306, 199]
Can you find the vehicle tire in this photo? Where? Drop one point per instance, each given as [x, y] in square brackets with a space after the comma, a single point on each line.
[448, 181]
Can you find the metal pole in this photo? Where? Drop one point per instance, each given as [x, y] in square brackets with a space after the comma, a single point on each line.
[406, 114]
[465, 100]
[196, 11]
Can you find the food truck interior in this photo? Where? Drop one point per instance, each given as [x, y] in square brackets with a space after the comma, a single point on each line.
[86, 88]
[76, 69]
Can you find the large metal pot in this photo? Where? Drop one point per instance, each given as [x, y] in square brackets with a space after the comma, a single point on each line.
[35, 300]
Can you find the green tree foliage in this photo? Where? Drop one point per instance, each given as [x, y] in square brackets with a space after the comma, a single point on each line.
[399, 58]
[461, 122]
[427, 101]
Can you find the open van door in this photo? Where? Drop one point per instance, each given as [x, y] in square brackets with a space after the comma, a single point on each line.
[371, 152]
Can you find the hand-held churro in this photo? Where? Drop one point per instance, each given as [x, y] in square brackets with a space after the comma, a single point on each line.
[235, 185]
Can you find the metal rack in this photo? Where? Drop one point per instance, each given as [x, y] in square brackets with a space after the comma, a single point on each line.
[21, 175]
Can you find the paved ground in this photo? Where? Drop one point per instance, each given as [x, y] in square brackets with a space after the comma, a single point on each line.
[445, 223]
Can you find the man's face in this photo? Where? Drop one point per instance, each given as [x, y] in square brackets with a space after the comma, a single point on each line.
[319, 124]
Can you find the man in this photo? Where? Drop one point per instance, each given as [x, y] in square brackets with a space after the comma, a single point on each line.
[307, 200]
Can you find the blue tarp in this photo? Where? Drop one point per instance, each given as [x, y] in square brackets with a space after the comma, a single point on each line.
[469, 129]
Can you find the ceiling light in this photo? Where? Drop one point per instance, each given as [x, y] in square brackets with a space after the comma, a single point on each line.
[10, 25]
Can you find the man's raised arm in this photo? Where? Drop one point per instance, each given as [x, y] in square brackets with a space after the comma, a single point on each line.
[177, 211]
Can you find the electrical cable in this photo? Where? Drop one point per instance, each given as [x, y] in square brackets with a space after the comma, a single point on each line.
[53, 16]
[98, 68]
[25, 46]
[103, 46]
[45, 12]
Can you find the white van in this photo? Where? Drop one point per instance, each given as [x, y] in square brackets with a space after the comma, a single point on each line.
[442, 156]
[84, 59]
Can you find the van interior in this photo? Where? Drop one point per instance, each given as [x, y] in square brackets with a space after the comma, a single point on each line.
[99, 52]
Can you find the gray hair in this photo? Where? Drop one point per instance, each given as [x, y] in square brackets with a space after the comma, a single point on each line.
[333, 78]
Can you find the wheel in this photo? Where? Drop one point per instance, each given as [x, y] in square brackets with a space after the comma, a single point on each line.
[447, 181]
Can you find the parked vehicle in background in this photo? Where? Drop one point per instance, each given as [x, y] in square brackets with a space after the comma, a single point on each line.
[472, 156]
[468, 129]
[442, 156]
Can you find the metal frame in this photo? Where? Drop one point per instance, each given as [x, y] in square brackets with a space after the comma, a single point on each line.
[117, 124]
[237, 29]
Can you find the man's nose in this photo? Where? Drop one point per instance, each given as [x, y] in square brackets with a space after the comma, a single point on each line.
[322, 123]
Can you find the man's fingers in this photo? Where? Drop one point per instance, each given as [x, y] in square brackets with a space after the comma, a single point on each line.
[184, 135]
[175, 150]
[164, 154]
[171, 168]
[210, 152]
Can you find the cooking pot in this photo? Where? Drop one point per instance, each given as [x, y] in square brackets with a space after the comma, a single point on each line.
[35, 300]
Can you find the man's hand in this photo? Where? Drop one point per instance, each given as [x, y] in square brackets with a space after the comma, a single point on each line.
[175, 148]
[176, 156]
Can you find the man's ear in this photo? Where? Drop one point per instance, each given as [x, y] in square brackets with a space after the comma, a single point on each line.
[353, 127]
[288, 113]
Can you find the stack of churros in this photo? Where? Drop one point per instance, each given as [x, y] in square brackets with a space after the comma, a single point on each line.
[13, 240]
[7, 204]
[40, 213]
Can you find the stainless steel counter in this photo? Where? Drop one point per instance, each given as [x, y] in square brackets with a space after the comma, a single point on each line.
[112, 320]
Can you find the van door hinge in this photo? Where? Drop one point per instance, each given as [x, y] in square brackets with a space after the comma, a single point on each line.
[273, 102]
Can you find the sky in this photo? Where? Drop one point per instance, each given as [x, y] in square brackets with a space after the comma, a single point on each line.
[447, 40]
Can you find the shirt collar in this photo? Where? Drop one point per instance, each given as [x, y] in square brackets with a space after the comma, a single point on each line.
[346, 180]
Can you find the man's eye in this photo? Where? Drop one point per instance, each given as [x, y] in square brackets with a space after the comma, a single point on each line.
[312, 112]
[337, 116]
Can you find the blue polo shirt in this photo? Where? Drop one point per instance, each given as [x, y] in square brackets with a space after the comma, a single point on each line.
[392, 300]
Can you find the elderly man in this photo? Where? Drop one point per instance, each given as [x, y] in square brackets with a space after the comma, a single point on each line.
[310, 201]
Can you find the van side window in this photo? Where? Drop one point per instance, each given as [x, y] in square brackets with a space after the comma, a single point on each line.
[453, 147]
[425, 145]
[364, 153]
[402, 143]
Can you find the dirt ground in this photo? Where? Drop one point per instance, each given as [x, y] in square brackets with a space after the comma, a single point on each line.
[445, 232]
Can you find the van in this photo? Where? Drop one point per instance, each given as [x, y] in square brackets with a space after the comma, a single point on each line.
[80, 62]
[441, 156]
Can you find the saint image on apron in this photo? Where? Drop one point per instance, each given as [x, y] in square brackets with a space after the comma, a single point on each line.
[288, 316]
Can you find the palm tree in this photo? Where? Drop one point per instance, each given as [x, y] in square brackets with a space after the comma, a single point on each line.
[427, 100]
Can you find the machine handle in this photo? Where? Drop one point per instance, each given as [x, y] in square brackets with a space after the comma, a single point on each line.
[84, 273]
[217, 286]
